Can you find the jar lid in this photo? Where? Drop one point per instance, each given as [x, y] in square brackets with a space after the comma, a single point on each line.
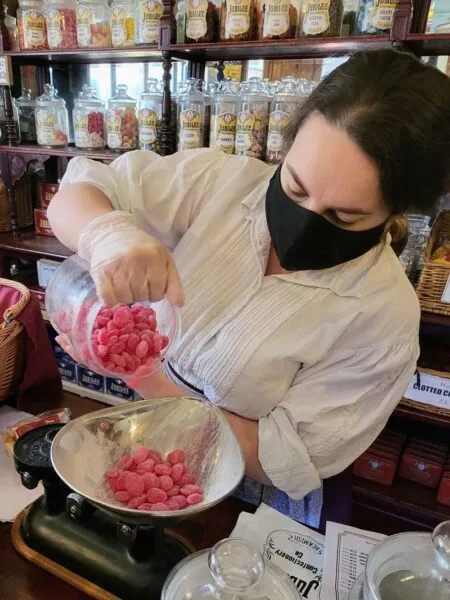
[409, 566]
[87, 98]
[152, 89]
[31, 3]
[121, 96]
[233, 566]
[254, 87]
[26, 99]
[50, 97]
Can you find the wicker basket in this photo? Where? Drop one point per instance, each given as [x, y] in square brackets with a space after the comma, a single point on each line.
[12, 342]
[428, 408]
[434, 277]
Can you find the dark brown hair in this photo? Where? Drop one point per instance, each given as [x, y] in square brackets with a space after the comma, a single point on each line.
[397, 110]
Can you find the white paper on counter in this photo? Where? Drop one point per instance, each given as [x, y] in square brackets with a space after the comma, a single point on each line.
[293, 547]
[346, 551]
[13, 496]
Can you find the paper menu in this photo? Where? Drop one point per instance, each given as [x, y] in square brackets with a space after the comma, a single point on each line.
[346, 552]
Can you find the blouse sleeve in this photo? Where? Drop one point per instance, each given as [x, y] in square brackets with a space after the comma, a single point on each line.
[164, 194]
[331, 414]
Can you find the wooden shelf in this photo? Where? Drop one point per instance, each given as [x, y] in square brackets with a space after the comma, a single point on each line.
[30, 244]
[70, 150]
[428, 318]
[433, 44]
[296, 48]
[108, 55]
[406, 500]
[423, 416]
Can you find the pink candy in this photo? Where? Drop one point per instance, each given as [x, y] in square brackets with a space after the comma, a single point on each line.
[145, 481]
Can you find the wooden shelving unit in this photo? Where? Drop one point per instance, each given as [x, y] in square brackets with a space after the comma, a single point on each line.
[28, 244]
[69, 151]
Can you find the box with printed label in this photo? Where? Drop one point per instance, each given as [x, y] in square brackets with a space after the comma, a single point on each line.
[90, 380]
[41, 223]
[45, 269]
[48, 190]
[57, 350]
[118, 388]
[67, 370]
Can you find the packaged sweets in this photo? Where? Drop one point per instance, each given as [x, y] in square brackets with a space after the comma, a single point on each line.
[252, 120]
[148, 17]
[61, 20]
[191, 117]
[88, 120]
[123, 23]
[149, 117]
[121, 121]
[238, 20]
[277, 20]
[224, 118]
[323, 19]
[32, 26]
[375, 16]
[50, 417]
[93, 24]
[27, 122]
[52, 126]
[282, 108]
[201, 22]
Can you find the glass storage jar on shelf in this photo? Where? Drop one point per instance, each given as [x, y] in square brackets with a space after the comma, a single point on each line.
[61, 20]
[123, 23]
[27, 121]
[201, 21]
[322, 19]
[443, 27]
[283, 106]
[375, 16]
[277, 20]
[3, 130]
[224, 118]
[413, 255]
[149, 117]
[238, 20]
[252, 120]
[52, 125]
[89, 120]
[350, 15]
[121, 121]
[93, 24]
[13, 31]
[148, 18]
[208, 91]
[191, 116]
[32, 25]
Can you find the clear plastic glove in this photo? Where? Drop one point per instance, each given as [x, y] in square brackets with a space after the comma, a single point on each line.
[128, 264]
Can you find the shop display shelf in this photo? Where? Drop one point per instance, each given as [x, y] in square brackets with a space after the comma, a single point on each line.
[87, 56]
[432, 44]
[421, 414]
[28, 244]
[82, 392]
[69, 151]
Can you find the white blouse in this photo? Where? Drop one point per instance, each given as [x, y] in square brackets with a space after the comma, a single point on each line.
[320, 358]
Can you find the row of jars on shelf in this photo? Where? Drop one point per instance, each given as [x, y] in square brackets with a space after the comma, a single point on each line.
[250, 119]
[65, 24]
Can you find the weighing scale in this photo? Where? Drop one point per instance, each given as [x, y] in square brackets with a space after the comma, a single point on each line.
[79, 532]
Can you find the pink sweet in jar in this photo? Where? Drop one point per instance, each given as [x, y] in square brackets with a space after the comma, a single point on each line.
[61, 20]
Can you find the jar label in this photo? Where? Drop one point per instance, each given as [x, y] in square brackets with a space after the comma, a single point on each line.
[244, 130]
[276, 17]
[55, 25]
[148, 121]
[317, 17]
[196, 25]
[190, 130]
[225, 132]
[85, 16]
[80, 126]
[237, 20]
[34, 29]
[47, 128]
[114, 130]
[122, 27]
[150, 13]
[382, 13]
[278, 121]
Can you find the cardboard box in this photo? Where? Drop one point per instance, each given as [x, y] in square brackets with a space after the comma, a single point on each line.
[90, 379]
[67, 370]
[47, 191]
[41, 224]
[118, 389]
[45, 269]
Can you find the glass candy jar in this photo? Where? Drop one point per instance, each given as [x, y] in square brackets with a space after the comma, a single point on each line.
[88, 120]
[375, 16]
[252, 121]
[123, 23]
[282, 109]
[224, 118]
[13, 31]
[201, 21]
[121, 121]
[277, 20]
[191, 116]
[61, 20]
[32, 25]
[322, 19]
[52, 126]
[148, 17]
[93, 24]
[232, 569]
[26, 113]
[238, 20]
[149, 117]
[413, 255]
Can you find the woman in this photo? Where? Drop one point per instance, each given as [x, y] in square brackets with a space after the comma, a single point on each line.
[298, 320]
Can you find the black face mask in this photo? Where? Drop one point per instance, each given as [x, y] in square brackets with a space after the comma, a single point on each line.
[304, 240]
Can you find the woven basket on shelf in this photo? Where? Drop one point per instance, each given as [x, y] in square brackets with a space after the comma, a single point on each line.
[435, 410]
[11, 342]
[434, 277]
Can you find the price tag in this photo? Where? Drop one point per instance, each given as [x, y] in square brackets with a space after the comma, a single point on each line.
[446, 293]
[5, 71]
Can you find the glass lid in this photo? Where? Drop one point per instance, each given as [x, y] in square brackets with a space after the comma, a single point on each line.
[88, 98]
[49, 97]
[410, 566]
[232, 570]
[26, 99]
[121, 97]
